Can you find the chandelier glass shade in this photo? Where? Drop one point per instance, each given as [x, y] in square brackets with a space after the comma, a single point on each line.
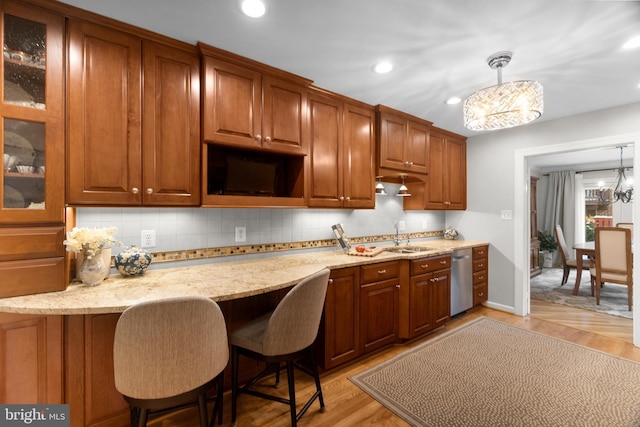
[621, 192]
[504, 105]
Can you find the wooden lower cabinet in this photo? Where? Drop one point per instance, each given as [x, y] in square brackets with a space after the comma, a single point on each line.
[425, 305]
[339, 334]
[379, 305]
[31, 359]
[480, 274]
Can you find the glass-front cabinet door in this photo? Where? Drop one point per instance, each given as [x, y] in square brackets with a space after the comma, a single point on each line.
[32, 180]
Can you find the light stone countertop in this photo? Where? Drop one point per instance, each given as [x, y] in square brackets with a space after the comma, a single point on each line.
[218, 281]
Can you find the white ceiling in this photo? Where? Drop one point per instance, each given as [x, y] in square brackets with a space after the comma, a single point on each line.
[439, 47]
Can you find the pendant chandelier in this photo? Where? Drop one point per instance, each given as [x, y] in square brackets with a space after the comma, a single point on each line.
[623, 191]
[504, 105]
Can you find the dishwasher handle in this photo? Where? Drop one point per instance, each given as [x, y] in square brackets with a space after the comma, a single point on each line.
[459, 257]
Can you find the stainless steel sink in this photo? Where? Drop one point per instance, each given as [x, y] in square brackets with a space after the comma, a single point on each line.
[408, 249]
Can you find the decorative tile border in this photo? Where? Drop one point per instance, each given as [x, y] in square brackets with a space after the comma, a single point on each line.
[225, 251]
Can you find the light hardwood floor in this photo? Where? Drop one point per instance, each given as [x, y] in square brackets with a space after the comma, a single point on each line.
[347, 405]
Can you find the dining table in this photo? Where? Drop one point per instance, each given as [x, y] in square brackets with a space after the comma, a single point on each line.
[587, 249]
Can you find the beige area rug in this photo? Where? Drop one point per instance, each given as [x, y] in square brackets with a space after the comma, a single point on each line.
[546, 287]
[488, 373]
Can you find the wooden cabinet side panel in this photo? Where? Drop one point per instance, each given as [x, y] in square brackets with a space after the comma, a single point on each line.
[359, 154]
[104, 149]
[171, 144]
[324, 181]
[31, 366]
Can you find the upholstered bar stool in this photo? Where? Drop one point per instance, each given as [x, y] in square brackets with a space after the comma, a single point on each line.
[169, 353]
[286, 336]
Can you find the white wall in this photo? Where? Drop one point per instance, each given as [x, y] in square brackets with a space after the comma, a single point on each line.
[491, 174]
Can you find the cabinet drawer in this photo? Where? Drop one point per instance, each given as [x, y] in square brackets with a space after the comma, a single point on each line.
[480, 252]
[480, 277]
[18, 243]
[426, 265]
[480, 264]
[32, 276]
[480, 294]
[381, 271]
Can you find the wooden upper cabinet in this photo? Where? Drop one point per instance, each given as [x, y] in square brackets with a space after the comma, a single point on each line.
[341, 171]
[171, 126]
[446, 185]
[120, 153]
[250, 105]
[104, 164]
[32, 115]
[402, 142]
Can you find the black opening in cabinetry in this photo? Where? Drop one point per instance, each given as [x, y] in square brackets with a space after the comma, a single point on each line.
[236, 172]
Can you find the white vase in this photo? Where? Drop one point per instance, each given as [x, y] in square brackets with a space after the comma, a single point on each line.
[547, 259]
[106, 259]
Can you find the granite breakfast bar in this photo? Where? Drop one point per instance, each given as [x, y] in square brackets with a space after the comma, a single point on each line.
[219, 281]
[58, 346]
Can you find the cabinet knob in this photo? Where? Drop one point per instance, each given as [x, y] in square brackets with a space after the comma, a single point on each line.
[480, 265]
[258, 137]
[135, 190]
[398, 286]
[268, 139]
[424, 266]
[341, 198]
[149, 190]
[443, 262]
[347, 198]
[382, 271]
[407, 163]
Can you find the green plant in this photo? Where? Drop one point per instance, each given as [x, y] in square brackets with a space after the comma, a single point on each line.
[547, 241]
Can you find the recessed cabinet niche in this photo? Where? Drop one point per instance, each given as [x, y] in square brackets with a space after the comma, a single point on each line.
[251, 105]
[134, 111]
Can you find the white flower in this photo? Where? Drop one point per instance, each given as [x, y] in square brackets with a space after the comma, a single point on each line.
[90, 240]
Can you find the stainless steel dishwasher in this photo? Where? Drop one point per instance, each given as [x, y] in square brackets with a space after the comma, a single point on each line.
[461, 281]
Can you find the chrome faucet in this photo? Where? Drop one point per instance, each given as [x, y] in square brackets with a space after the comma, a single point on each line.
[397, 239]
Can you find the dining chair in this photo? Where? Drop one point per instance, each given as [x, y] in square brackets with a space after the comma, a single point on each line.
[613, 263]
[168, 354]
[284, 335]
[568, 263]
[628, 225]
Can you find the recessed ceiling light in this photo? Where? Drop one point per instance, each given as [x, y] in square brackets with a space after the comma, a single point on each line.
[383, 67]
[253, 8]
[453, 100]
[632, 43]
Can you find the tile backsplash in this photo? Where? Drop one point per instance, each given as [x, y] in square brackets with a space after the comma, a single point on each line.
[179, 229]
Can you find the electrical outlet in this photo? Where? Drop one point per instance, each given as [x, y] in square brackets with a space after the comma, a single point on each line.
[506, 215]
[241, 234]
[402, 226]
[148, 238]
[424, 225]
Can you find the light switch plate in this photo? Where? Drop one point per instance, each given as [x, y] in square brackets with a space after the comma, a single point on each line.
[241, 234]
[506, 215]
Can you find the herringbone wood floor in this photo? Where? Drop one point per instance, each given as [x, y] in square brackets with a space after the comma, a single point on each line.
[347, 405]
